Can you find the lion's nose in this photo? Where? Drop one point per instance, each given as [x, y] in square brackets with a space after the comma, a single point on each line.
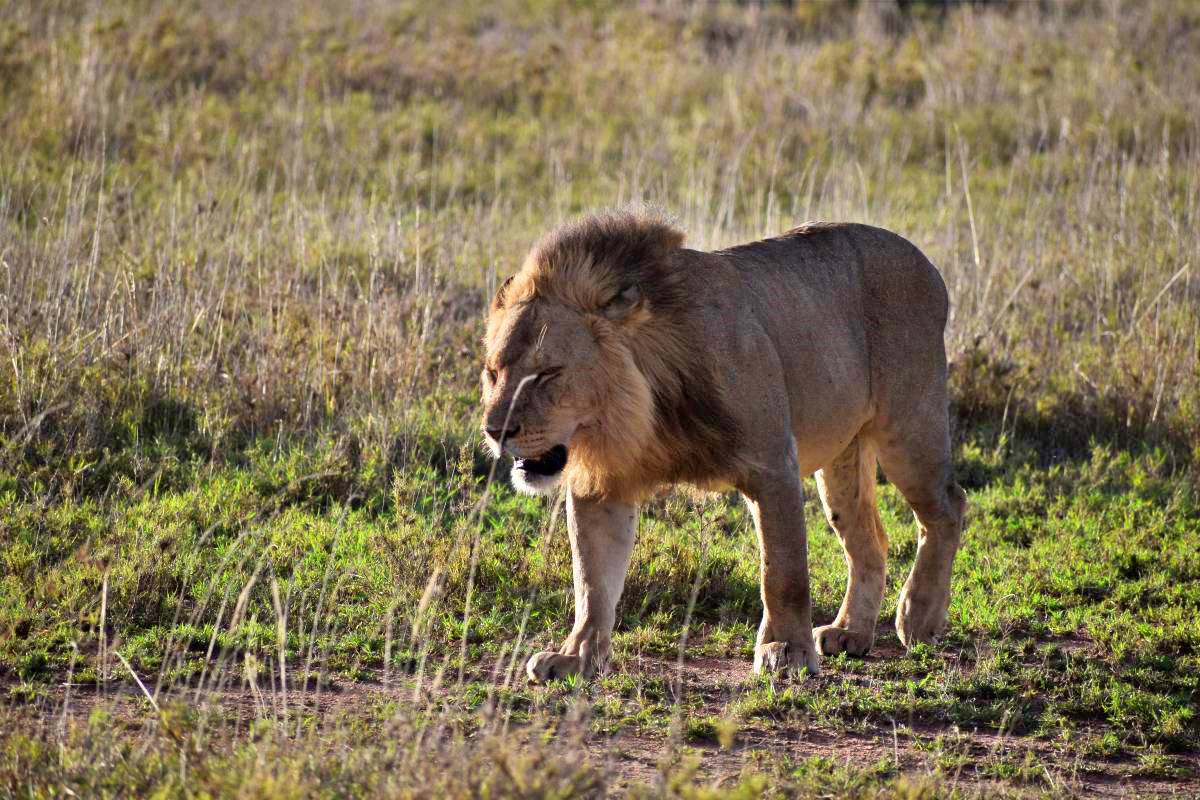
[500, 433]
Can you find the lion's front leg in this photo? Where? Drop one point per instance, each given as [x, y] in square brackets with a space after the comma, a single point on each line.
[602, 533]
[785, 638]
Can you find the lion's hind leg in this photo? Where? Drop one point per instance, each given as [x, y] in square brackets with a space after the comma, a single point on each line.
[917, 462]
[847, 489]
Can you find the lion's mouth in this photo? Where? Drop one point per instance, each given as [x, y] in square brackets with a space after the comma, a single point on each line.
[549, 463]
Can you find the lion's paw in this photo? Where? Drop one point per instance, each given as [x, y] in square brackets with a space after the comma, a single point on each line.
[551, 666]
[921, 617]
[831, 640]
[789, 659]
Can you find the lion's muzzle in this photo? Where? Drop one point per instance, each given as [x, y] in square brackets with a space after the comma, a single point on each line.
[551, 463]
[539, 475]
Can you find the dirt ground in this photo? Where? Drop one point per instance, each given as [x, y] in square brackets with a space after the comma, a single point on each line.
[633, 757]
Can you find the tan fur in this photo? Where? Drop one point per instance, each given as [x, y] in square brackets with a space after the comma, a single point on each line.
[749, 367]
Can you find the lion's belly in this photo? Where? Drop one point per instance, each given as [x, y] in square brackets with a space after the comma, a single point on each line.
[829, 394]
[817, 452]
[785, 383]
[825, 422]
[815, 359]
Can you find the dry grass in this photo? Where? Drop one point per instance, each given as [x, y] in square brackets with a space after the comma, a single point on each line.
[221, 224]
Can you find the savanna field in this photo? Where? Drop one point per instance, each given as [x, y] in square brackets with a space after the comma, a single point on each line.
[252, 544]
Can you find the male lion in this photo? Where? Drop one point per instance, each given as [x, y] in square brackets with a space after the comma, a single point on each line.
[619, 362]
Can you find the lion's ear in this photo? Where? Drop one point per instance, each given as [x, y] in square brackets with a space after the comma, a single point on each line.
[625, 303]
[498, 299]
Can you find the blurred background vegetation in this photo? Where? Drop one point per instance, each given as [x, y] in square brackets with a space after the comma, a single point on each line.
[221, 222]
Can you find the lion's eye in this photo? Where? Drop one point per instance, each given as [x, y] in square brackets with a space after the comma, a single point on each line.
[547, 375]
[490, 375]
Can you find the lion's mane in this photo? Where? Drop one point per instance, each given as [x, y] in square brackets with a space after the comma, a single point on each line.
[664, 414]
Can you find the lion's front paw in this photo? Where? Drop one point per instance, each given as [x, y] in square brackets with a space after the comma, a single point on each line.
[550, 666]
[921, 615]
[832, 640]
[789, 659]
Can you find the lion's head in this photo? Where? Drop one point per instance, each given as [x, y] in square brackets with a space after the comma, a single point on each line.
[587, 354]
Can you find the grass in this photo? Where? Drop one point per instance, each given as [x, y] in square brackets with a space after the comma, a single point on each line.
[244, 257]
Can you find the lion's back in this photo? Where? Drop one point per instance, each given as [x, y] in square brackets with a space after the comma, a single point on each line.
[850, 263]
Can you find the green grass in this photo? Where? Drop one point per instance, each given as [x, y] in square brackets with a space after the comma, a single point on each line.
[1075, 622]
[244, 258]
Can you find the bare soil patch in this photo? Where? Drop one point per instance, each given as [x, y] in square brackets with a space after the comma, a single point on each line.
[970, 760]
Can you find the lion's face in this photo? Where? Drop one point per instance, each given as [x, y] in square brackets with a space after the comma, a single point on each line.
[538, 388]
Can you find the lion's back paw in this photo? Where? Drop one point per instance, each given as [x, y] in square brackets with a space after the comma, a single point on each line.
[551, 666]
[789, 659]
[912, 633]
[920, 618]
[831, 640]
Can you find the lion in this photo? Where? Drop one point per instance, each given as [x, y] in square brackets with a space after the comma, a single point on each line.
[619, 362]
